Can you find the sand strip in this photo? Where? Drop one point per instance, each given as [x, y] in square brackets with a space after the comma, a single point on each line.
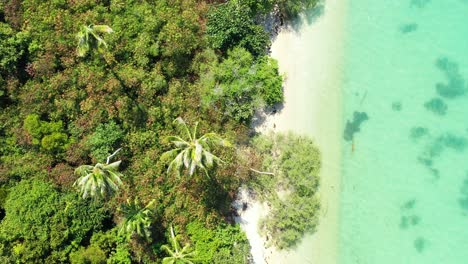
[310, 55]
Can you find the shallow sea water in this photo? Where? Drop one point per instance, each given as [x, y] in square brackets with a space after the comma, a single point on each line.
[404, 195]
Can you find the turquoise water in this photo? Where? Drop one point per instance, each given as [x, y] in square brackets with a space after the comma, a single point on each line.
[405, 146]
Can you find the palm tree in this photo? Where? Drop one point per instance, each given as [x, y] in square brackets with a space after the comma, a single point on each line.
[100, 180]
[176, 254]
[90, 37]
[137, 219]
[193, 152]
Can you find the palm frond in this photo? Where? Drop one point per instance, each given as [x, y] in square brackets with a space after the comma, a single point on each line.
[169, 154]
[102, 29]
[89, 37]
[113, 166]
[195, 153]
[98, 181]
[181, 121]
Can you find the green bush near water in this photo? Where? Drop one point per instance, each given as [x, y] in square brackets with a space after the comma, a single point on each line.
[292, 191]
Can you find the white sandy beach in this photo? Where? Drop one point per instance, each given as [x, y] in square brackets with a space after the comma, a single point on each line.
[311, 58]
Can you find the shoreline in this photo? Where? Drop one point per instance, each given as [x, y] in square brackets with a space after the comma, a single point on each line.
[311, 57]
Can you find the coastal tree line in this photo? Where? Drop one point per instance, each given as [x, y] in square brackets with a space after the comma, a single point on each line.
[124, 127]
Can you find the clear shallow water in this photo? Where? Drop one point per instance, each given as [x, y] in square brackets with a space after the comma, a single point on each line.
[404, 196]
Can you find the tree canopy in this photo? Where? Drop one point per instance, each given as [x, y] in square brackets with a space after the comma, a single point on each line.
[79, 79]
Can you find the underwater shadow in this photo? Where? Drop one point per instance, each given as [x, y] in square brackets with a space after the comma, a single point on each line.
[436, 106]
[419, 3]
[408, 28]
[463, 201]
[420, 244]
[354, 126]
[455, 86]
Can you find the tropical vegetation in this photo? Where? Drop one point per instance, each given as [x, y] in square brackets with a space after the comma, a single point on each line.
[80, 79]
[137, 219]
[176, 253]
[100, 180]
[193, 152]
[292, 190]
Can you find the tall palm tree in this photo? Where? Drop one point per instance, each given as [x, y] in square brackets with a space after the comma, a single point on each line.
[100, 180]
[176, 254]
[193, 152]
[137, 219]
[90, 37]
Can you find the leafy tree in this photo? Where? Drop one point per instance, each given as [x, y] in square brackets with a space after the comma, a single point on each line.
[223, 244]
[100, 180]
[230, 25]
[91, 254]
[49, 135]
[42, 224]
[177, 255]
[241, 84]
[193, 152]
[115, 247]
[137, 219]
[104, 140]
[258, 7]
[90, 37]
[12, 48]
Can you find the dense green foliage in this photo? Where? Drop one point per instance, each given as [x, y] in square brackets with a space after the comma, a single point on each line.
[292, 191]
[91, 254]
[241, 84]
[289, 9]
[49, 135]
[79, 79]
[105, 139]
[42, 223]
[90, 38]
[137, 219]
[177, 254]
[224, 245]
[230, 25]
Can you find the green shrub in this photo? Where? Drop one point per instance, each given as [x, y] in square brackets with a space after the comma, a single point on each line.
[55, 142]
[230, 25]
[114, 247]
[104, 140]
[43, 224]
[49, 135]
[295, 161]
[12, 48]
[24, 165]
[89, 255]
[243, 84]
[120, 256]
[225, 244]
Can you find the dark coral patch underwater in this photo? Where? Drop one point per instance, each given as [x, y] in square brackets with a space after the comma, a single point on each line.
[354, 126]
[455, 86]
[408, 28]
[436, 106]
